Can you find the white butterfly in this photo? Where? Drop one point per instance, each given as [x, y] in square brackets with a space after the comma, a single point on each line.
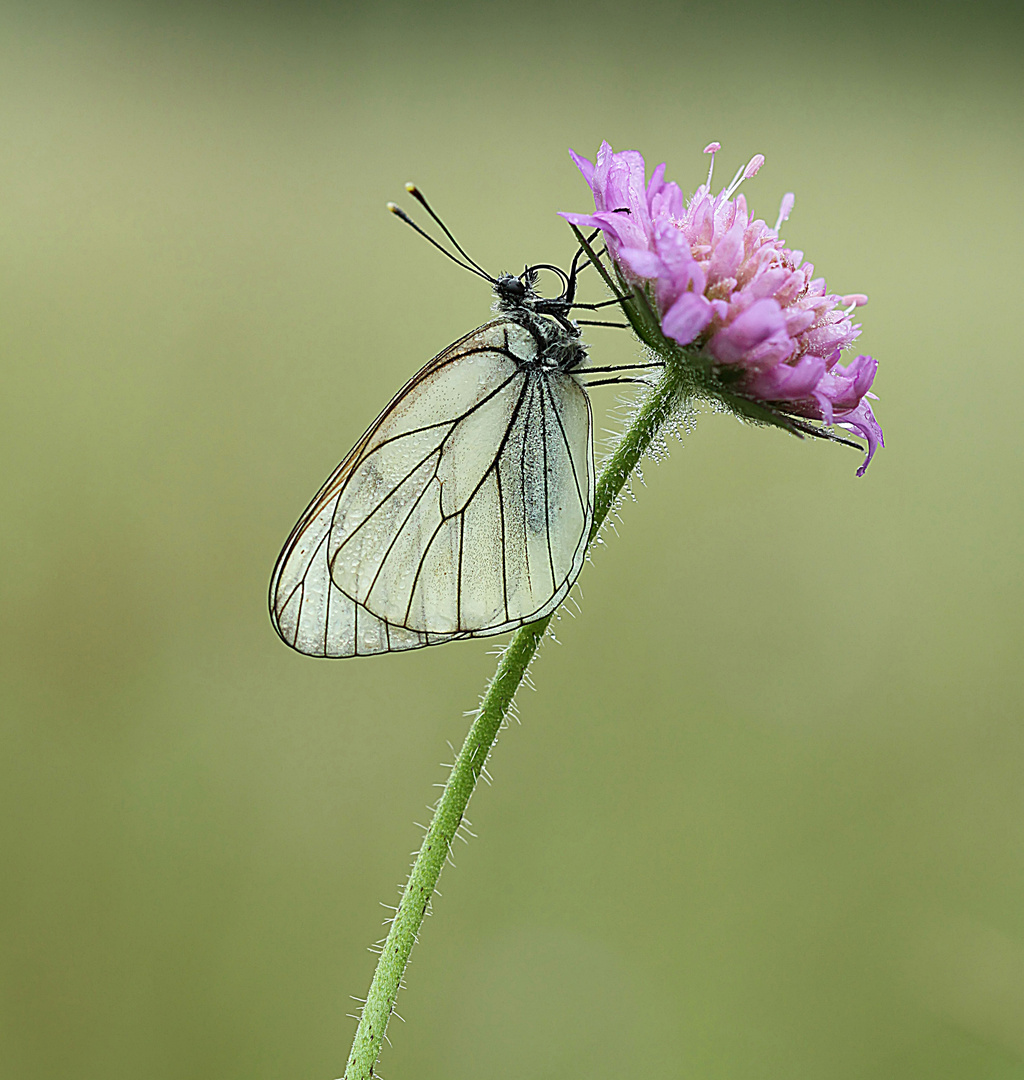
[466, 508]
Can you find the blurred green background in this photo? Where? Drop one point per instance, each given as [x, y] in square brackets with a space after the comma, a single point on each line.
[765, 815]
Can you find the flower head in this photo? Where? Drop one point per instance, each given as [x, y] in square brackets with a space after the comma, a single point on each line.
[726, 285]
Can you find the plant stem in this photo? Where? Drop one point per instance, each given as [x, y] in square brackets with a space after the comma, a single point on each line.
[663, 402]
[436, 845]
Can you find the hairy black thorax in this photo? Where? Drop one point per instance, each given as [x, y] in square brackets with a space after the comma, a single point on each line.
[546, 319]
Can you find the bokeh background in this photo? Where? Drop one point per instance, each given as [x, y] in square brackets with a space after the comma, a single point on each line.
[764, 816]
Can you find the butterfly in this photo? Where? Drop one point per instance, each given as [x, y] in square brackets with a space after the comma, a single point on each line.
[465, 510]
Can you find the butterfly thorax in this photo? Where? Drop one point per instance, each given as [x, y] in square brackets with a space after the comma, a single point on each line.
[546, 320]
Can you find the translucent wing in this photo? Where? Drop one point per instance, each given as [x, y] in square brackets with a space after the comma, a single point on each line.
[314, 616]
[463, 511]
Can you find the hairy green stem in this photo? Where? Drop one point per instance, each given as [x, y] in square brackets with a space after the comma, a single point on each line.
[663, 401]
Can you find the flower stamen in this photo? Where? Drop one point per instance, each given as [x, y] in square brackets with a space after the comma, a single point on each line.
[712, 148]
[753, 165]
[745, 172]
[784, 210]
[852, 301]
[735, 182]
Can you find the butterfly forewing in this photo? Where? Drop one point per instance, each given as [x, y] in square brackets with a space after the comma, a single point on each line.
[463, 511]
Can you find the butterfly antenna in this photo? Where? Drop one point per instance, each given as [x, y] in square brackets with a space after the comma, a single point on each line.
[473, 269]
[418, 195]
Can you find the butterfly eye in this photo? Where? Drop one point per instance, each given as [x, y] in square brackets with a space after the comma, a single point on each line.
[510, 287]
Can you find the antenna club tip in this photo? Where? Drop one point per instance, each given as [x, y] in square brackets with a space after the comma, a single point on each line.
[392, 207]
[410, 187]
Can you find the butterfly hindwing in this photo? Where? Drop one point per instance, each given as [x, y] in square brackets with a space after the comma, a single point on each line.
[313, 615]
[545, 478]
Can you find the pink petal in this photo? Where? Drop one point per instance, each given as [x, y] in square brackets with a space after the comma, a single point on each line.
[785, 382]
[754, 338]
[643, 263]
[686, 318]
[586, 167]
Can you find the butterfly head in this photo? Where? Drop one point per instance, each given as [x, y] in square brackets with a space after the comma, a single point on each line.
[513, 292]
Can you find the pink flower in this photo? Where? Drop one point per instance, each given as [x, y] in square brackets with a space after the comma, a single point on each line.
[726, 285]
[626, 204]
